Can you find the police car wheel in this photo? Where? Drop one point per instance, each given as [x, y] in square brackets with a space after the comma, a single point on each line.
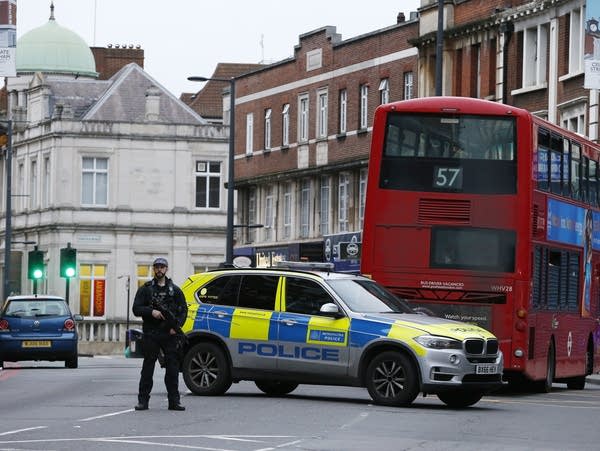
[206, 370]
[458, 399]
[391, 379]
[276, 388]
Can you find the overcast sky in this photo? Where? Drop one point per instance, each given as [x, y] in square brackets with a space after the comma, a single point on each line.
[189, 37]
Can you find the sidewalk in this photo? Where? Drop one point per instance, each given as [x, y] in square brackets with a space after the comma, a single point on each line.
[593, 379]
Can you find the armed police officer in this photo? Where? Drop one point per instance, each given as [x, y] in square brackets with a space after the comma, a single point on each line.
[162, 306]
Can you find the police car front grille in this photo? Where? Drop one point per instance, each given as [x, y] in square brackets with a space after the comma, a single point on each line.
[476, 346]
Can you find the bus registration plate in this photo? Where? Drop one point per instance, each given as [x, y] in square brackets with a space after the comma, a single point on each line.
[486, 368]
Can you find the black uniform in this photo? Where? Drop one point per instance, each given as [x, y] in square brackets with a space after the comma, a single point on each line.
[156, 335]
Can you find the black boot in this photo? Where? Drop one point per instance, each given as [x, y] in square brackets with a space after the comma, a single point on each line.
[176, 406]
[142, 404]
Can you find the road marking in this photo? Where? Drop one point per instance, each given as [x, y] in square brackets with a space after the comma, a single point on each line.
[106, 415]
[169, 445]
[358, 419]
[295, 442]
[16, 431]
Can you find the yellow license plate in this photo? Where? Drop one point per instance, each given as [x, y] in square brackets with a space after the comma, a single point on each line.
[36, 344]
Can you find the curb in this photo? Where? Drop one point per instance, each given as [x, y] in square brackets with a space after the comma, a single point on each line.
[594, 380]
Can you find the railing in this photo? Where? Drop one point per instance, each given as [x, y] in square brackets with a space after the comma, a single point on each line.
[103, 336]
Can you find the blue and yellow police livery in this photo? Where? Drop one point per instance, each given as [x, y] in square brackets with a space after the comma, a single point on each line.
[284, 327]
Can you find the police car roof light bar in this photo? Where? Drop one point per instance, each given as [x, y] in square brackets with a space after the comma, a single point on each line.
[305, 266]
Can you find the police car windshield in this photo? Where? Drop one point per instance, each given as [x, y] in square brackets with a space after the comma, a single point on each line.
[366, 296]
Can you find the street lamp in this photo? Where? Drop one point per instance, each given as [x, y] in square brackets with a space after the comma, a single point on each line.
[230, 177]
[8, 225]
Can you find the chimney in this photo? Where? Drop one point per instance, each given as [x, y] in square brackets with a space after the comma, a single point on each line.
[152, 104]
[401, 18]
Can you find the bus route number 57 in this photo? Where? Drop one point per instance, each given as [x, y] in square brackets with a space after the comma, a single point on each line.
[448, 178]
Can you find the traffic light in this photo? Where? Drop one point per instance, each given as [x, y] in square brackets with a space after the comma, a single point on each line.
[35, 265]
[68, 262]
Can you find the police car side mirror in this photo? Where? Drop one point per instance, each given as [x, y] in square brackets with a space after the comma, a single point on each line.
[330, 309]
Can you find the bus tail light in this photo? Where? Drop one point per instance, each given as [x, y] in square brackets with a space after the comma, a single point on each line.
[521, 313]
[521, 325]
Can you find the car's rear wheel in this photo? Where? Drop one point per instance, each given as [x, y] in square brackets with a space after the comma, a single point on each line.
[460, 398]
[391, 379]
[206, 370]
[276, 388]
[72, 362]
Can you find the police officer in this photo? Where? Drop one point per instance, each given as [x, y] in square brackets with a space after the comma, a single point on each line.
[154, 295]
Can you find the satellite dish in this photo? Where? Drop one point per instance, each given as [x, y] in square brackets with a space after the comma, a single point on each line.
[241, 261]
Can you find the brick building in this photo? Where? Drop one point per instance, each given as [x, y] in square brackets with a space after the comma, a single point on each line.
[303, 130]
[524, 53]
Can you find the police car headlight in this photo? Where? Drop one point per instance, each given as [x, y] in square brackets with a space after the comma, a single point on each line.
[433, 342]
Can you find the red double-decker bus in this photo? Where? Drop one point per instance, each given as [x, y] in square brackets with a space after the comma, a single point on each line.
[485, 213]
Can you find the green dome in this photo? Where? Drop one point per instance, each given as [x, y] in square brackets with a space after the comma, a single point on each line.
[52, 48]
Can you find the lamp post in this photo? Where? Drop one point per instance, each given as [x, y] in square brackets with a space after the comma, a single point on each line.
[8, 226]
[230, 177]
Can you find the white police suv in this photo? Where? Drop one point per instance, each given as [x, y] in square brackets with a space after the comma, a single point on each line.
[284, 327]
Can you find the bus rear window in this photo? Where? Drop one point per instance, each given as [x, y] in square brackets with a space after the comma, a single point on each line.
[455, 153]
[474, 249]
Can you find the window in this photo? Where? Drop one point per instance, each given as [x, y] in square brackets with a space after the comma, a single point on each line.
[535, 47]
[303, 118]
[33, 186]
[573, 117]
[221, 291]
[343, 197]
[258, 291]
[92, 289]
[476, 70]
[144, 274]
[94, 186]
[575, 47]
[576, 171]
[364, 105]
[304, 208]
[269, 213]
[555, 279]
[384, 91]
[20, 186]
[252, 217]
[362, 188]
[322, 115]
[343, 110]
[208, 184]
[287, 210]
[408, 85]
[304, 296]
[249, 133]
[324, 205]
[268, 129]
[46, 182]
[285, 127]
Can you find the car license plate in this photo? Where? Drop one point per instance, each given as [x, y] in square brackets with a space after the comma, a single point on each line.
[36, 344]
[486, 368]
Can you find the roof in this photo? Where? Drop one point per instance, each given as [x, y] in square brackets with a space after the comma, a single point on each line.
[52, 48]
[208, 102]
[122, 98]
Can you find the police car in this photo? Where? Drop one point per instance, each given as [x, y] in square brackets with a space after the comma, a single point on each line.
[284, 327]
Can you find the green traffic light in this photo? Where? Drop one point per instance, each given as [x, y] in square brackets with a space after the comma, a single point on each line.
[70, 272]
[38, 274]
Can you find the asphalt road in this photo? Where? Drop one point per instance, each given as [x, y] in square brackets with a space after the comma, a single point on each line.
[44, 406]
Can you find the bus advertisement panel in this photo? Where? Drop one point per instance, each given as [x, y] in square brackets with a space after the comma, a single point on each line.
[482, 212]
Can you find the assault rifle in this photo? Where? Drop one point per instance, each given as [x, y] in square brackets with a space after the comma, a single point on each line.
[171, 323]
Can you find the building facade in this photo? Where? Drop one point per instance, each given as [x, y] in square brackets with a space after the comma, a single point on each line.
[302, 137]
[119, 168]
[523, 53]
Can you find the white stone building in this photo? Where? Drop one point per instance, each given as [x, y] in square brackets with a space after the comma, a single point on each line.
[119, 168]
